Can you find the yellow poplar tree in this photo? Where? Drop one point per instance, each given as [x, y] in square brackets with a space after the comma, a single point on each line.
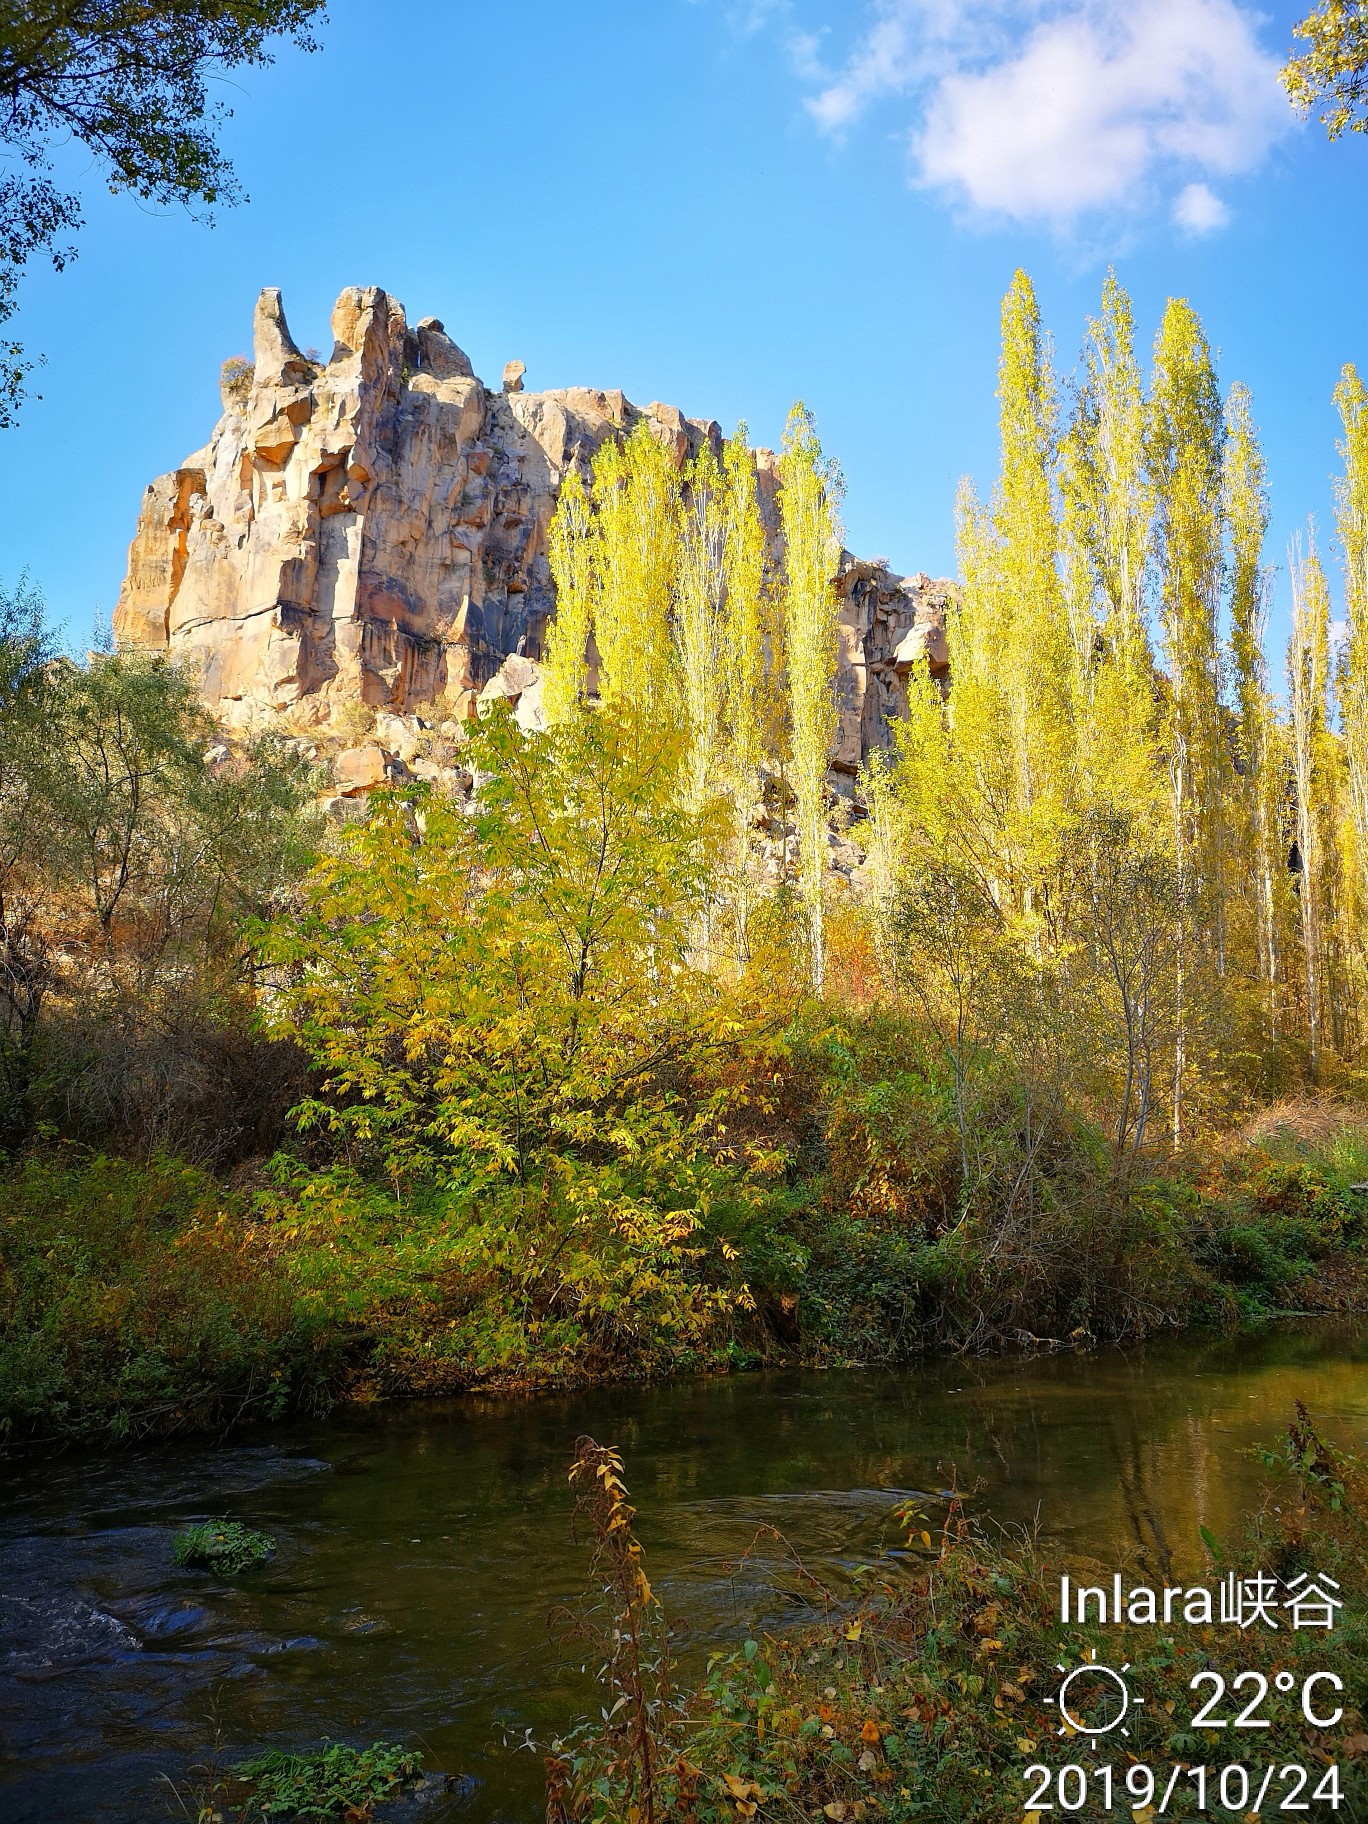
[809, 489]
[1308, 672]
[1107, 513]
[1009, 722]
[743, 568]
[1184, 441]
[972, 807]
[572, 556]
[744, 673]
[1035, 651]
[1247, 512]
[1351, 682]
[700, 617]
[636, 492]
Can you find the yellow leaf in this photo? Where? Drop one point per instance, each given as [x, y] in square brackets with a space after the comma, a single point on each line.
[738, 1788]
[853, 1631]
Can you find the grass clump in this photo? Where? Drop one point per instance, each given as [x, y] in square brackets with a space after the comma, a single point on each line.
[334, 1781]
[225, 1546]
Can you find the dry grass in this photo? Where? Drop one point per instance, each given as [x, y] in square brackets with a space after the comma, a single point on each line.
[1307, 1121]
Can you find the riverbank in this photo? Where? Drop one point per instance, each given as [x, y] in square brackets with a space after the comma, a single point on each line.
[936, 1696]
[140, 1300]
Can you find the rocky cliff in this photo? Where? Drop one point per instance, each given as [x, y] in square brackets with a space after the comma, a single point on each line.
[371, 530]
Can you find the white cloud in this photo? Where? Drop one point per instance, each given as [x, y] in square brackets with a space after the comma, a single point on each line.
[882, 62]
[1198, 209]
[1050, 110]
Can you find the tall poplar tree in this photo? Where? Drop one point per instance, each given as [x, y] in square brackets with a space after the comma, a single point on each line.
[1351, 681]
[1247, 512]
[1308, 671]
[700, 612]
[1184, 448]
[745, 675]
[1003, 804]
[808, 495]
[1107, 512]
[1035, 651]
[572, 556]
[615, 557]
[636, 492]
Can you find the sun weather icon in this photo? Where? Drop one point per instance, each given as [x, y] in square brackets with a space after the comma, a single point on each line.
[1094, 1699]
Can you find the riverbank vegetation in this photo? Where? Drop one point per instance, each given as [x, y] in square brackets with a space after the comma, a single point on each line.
[608, 1068]
[930, 1695]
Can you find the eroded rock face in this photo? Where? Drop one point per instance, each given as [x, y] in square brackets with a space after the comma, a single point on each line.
[372, 530]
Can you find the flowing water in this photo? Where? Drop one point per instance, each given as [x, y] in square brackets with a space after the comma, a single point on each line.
[423, 1549]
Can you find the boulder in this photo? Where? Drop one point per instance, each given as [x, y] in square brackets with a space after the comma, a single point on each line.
[358, 769]
[517, 682]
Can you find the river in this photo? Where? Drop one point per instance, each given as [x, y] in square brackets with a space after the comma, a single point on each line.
[423, 1549]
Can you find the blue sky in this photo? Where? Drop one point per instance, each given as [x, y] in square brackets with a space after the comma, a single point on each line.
[726, 204]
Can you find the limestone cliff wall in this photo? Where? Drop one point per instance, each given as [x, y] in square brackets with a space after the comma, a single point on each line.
[372, 529]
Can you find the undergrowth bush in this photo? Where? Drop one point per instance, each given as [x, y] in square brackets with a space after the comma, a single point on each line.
[141, 1299]
[133, 1302]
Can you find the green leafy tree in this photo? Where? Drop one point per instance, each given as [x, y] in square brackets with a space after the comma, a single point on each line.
[951, 941]
[128, 80]
[135, 856]
[25, 654]
[506, 1005]
[1125, 878]
[509, 991]
[1332, 72]
[156, 853]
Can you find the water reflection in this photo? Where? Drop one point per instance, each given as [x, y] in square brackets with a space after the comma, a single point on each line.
[422, 1548]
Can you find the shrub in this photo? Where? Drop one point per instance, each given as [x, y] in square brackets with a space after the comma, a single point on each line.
[235, 380]
[135, 1300]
